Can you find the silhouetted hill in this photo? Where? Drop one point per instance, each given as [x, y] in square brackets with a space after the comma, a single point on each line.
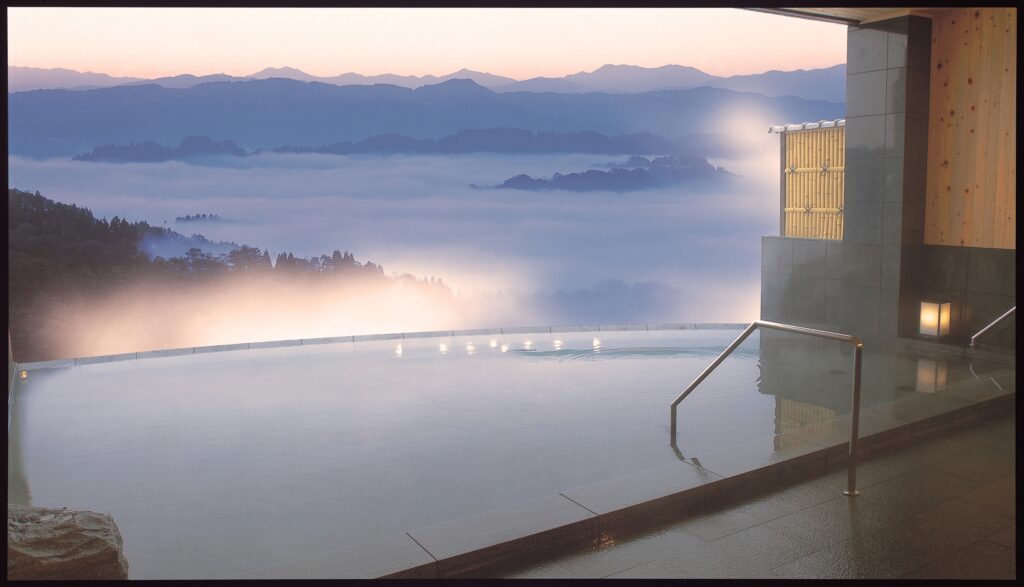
[638, 173]
[632, 78]
[284, 72]
[814, 84]
[453, 88]
[22, 79]
[273, 112]
[488, 80]
[544, 84]
[187, 80]
[405, 81]
[148, 151]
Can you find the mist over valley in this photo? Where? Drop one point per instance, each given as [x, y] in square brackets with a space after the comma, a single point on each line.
[533, 207]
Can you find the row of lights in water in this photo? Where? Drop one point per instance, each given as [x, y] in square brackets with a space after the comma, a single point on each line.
[527, 346]
[470, 349]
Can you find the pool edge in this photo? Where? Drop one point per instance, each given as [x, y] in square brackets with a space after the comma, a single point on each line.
[523, 532]
[73, 361]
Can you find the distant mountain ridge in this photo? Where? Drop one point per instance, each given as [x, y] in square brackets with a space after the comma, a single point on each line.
[20, 79]
[488, 140]
[274, 112]
[499, 140]
[816, 84]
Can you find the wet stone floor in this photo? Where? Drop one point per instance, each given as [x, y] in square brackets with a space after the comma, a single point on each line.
[944, 508]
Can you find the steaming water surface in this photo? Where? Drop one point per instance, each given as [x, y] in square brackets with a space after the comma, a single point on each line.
[214, 464]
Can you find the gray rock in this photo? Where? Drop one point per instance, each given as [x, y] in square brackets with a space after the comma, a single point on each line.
[62, 544]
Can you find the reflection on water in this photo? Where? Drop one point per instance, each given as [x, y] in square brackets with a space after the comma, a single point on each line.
[931, 375]
[812, 381]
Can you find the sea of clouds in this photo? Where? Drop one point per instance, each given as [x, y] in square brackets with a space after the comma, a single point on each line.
[513, 257]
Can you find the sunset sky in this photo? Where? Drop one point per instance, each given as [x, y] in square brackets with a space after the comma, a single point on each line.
[515, 42]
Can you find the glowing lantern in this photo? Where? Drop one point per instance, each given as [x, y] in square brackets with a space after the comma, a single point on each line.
[935, 318]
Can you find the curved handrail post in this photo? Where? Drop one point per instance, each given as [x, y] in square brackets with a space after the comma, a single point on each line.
[739, 340]
[858, 345]
[991, 324]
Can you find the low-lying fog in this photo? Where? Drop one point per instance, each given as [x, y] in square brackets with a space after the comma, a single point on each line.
[556, 257]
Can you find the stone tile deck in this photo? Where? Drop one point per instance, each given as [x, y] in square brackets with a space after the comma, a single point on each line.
[943, 508]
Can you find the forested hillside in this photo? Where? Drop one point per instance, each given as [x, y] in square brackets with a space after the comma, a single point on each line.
[60, 253]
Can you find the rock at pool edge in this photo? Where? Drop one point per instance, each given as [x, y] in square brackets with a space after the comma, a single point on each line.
[62, 544]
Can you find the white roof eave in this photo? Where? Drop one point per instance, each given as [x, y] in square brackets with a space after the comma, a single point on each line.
[807, 126]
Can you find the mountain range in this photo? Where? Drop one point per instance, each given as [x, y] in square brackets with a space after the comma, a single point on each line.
[264, 114]
[487, 140]
[815, 84]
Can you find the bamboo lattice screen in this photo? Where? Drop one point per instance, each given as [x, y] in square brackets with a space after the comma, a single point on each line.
[813, 168]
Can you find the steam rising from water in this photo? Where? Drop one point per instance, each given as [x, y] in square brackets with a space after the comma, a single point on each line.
[149, 315]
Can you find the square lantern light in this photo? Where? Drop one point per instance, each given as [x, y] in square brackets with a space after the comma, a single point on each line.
[935, 318]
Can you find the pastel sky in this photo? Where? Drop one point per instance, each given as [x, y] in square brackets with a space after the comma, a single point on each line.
[516, 42]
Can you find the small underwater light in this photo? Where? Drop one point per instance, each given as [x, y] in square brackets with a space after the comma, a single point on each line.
[527, 344]
[398, 350]
[470, 348]
[494, 343]
[23, 375]
[443, 347]
[558, 345]
[597, 343]
[504, 348]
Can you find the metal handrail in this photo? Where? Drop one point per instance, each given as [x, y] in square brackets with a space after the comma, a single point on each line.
[851, 480]
[993, 323]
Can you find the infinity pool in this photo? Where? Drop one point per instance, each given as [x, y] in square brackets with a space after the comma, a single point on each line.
[214, 464]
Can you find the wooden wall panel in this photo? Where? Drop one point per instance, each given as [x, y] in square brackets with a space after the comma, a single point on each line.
[970, 198]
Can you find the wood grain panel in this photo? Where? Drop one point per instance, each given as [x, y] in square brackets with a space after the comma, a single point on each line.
[970, 198]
